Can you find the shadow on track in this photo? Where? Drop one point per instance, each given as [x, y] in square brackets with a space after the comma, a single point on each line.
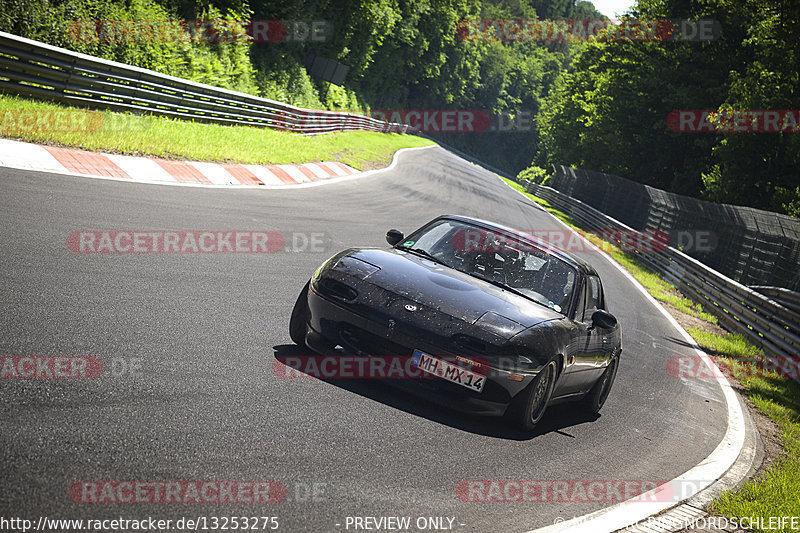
[556, 420]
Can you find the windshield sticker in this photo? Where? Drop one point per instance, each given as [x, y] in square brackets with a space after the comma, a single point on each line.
[408, 243]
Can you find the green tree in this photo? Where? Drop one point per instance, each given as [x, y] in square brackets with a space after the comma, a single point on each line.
[609, 112]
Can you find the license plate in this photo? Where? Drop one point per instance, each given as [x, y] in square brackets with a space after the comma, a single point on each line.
[445, 370]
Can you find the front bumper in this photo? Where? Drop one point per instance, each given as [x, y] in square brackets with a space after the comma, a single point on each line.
[332, 323]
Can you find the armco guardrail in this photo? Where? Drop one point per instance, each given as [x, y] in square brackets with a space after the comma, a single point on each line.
[762, 320]
[32, 68]
[785, 297]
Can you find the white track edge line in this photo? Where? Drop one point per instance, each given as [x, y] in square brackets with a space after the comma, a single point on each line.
[714, 466]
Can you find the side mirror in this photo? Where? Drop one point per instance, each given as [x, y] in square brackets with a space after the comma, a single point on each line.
[393, 236]
[603, 319]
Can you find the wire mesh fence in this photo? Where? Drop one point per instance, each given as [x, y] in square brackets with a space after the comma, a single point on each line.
[751, 246]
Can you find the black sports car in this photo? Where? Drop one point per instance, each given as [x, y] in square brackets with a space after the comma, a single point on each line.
[501, 323]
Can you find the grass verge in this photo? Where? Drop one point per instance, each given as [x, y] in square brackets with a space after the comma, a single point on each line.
[774, 492]
[49, 123]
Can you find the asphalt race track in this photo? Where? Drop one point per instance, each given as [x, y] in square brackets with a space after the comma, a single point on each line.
[189, 342]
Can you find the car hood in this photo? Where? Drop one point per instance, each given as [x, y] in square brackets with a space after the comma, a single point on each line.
[394, 278]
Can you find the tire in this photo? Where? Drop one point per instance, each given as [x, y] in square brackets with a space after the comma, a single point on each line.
[297, 323]
[534, 400]
[596, 397]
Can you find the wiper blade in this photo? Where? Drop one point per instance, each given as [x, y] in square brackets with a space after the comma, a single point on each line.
[511, 289]
[427, 254]
[499, 284]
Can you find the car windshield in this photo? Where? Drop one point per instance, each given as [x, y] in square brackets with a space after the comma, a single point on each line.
[498, 258]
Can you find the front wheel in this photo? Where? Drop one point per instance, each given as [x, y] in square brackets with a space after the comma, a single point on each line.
[297, 323]
[595, 398]
[536, 397]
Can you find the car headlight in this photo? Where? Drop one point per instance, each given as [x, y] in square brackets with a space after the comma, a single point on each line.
[516, 358]
[330, 263]
[356, 268]
[523, 362]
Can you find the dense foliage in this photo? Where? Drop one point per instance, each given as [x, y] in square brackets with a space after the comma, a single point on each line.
[596, 105]
[609, 111]
[59, 23]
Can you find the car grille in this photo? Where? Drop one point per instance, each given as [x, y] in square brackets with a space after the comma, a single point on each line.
[367, 343]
